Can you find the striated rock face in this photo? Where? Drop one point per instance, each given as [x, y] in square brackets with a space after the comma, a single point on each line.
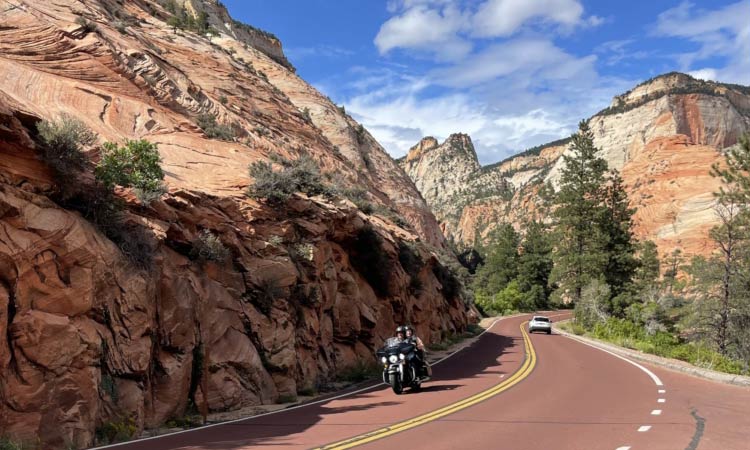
[663, 136]
[86, 338]
[447, 175]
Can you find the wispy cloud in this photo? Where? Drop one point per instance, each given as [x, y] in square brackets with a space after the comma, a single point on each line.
[320, 51]
[720, 33]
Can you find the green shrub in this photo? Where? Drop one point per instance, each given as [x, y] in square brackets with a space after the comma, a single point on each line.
[208, 247]
[306, 115]
[185, 422]
[86, 25]
[120, 26]
[451, 285]
[116, 431]
[287, 398]
[8, 444]
[223, 100]
[108, 386]
[214, 130]
[136, 165]
[356, 195]
[409, 258]
[63, 142]
[300, 175]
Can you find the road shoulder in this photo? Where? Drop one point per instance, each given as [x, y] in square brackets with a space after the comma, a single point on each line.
[667, 363]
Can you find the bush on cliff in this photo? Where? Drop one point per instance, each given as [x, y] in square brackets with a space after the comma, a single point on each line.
[276, 186]
[208, 247]
[135, 165]
[215, 130]
[63, 142]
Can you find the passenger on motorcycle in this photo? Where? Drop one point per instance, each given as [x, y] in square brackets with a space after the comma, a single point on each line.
[410, 336]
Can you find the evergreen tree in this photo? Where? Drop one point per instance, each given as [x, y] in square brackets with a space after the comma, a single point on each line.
[501, 263]
[616, 226]
[731, 312]
[580, 253]
[535, 264]
[648, 269]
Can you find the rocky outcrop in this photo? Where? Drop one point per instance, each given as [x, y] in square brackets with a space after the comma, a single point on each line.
[449, 176]
[87, 338]
[663, 136]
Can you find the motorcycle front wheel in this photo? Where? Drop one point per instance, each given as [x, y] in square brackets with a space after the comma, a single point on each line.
[395, 384]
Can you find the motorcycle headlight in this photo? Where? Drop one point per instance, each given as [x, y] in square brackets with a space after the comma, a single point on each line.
[393, 358]
[384, 360]
[401, 356]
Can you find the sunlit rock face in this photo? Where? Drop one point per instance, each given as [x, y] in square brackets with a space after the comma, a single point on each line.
[87, 338]
[663, 136]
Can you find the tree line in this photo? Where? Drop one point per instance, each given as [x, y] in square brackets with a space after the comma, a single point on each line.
[585, 256]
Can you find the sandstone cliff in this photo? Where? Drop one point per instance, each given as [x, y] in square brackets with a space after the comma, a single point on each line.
[89, 339]
[663, 136]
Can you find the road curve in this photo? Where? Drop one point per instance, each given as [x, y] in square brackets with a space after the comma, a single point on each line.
[570, 396]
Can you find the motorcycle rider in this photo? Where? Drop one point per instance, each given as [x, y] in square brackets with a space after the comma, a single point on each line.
[414, 339]
[401, 333]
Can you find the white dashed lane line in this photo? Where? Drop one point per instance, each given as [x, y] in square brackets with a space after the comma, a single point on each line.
[656, 412]
[623, 448]
[644, 428]
[662, 391]
[661, 400]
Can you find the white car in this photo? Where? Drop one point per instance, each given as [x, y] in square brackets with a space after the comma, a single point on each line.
[540, 323]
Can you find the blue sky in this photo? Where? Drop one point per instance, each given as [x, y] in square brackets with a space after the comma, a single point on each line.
[510, 73]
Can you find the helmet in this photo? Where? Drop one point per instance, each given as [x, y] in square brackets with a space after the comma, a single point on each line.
[408, 328]
[401, 329]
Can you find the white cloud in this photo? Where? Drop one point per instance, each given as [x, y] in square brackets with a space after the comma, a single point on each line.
[500, 78]
[445, 28]
[705, 74]
[516, 57]
[723, 32]
[421, 28]
[496, 18]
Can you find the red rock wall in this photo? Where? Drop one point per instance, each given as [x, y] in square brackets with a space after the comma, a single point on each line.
[85, 338]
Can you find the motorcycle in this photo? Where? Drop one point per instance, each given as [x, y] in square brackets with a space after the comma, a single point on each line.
[401, 366]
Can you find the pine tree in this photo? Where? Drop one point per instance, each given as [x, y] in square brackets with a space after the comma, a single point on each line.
[673, 262]
[501, 263]
[535, 264]
[649, 267]
[616, 225]
[580, 254]
[732, 306]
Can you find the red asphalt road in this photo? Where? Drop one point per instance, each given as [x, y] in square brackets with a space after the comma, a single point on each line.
[577, 397]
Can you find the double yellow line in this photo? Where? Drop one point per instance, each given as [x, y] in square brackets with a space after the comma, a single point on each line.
[517, 377]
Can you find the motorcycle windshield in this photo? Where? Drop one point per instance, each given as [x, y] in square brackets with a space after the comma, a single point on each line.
[392, 342]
